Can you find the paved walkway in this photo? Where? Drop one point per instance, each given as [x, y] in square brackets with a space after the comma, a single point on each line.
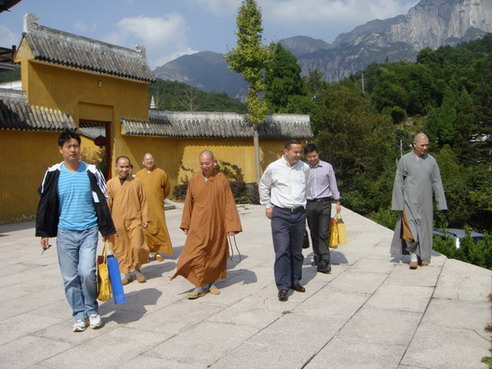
[370, 312]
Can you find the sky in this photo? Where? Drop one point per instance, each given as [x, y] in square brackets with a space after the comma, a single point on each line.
[172, 28]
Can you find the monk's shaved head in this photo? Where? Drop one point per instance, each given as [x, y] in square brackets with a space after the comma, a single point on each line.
[122, 157]
[149, 155]
[207, 153]
[420, 144]
[207, 162]
[420, 136]
[148, 161]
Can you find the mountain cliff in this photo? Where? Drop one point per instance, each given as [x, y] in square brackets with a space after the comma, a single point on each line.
[430, 23]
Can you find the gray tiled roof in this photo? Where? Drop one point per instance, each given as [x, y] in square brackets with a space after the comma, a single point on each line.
[75, 51]
[17, 114]
[92, 132]
[226, 125]
[5, 5]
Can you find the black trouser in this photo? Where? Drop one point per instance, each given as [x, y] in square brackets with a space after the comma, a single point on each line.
[318, 217]
[287, 232]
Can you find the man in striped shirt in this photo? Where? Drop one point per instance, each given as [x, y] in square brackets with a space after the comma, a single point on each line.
[323, 190]
[73, 208]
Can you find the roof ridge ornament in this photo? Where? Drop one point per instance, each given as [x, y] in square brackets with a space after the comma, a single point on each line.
[30, 19]
[141, 50]
[152, 103]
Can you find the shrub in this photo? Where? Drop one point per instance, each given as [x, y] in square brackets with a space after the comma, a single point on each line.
[252, 193]
[385, 217]
[231, 171]
[237, 188]
[398, 115]
[244, 193]
[179, 191]
[479, 253]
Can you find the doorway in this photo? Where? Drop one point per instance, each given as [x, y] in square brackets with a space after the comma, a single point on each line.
[99, 132]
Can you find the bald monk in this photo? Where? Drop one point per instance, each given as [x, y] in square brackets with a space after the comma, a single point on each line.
[417, 176]
[156, 188]
[130, 213]
[209, 216]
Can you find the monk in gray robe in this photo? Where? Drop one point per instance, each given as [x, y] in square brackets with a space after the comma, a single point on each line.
[417, 175]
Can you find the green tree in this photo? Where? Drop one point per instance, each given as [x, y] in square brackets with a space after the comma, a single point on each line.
[314, 84]
[359, 145]
[442, 121]
[172, 95]
[282, 78]
[250, 58]
[9, 76]
[298, 104]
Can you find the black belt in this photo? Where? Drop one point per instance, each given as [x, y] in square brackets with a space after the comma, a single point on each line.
[320, 199]
[292, 210]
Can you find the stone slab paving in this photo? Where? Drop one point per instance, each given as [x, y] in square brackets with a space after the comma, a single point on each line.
[370, 312]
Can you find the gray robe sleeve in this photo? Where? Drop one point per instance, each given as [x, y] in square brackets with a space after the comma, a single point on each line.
[438, 188]
[397, 202]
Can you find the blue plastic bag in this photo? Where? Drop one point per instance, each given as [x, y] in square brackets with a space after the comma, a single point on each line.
[115, 278]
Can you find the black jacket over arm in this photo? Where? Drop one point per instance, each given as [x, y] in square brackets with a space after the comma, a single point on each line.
[48, 214]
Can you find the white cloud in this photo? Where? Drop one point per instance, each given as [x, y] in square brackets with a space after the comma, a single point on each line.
[218, 7]
[7, 37]
[354, 12]
[163, 37]
[176, 54]
[317, 11]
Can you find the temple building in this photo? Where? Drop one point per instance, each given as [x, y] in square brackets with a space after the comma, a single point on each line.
[102, 90]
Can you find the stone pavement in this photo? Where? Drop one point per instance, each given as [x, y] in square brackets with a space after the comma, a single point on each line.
[370, 312]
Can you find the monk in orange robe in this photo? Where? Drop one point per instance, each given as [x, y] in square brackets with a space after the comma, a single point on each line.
[157, 188]
[130, 213]
[209, 216]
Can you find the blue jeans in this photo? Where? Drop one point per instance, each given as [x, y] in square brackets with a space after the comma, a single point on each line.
[77, 258]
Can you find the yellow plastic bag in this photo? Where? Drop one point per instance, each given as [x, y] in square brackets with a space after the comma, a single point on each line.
[103, 284]
[333, 243]
[342, 231]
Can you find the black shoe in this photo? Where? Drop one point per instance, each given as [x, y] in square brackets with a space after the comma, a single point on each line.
[283, 295]
[323, 268]
[297, 287]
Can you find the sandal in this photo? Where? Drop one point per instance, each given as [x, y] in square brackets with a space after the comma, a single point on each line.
[196, 294]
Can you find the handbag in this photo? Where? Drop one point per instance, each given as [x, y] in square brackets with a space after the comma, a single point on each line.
[333, 243]
[342, 231]
[115, 279]
[103, 284]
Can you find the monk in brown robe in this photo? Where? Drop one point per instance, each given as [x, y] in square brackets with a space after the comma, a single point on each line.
[157, 188]
[209, 216]
[130, 213]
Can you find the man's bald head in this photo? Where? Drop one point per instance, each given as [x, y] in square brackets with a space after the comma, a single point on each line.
[147, 155]
[148, 161]
[420, 144]
[206, 154]
[207, 162]
[420, 136]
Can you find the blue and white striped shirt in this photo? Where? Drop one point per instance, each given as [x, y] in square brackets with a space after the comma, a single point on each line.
[77, 211]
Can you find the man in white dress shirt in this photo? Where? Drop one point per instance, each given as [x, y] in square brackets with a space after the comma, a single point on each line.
[282, 190]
